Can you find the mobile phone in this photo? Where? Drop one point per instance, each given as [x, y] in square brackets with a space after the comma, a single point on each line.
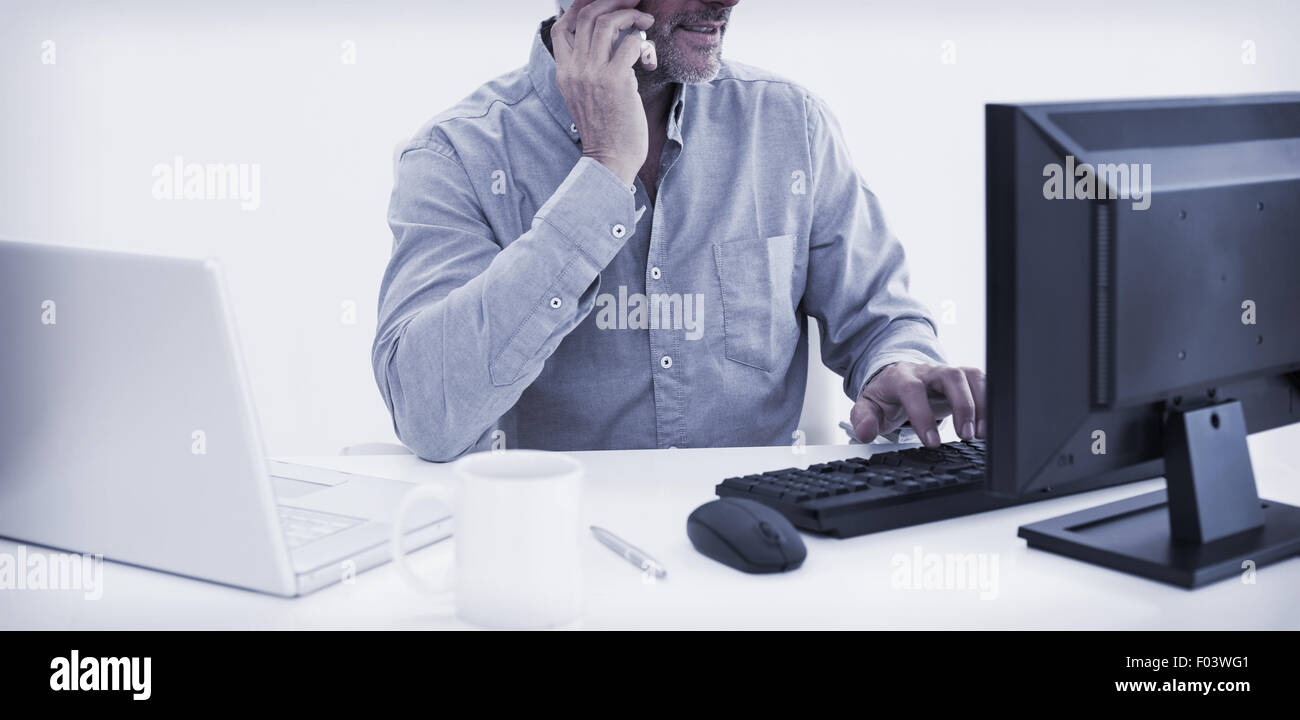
[647, 47]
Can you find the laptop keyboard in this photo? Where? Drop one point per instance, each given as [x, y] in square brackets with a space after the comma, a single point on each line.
[303, 526]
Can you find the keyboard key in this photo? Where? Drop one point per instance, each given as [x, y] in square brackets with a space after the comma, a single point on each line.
[908, 486]
[301, 526]
[739, 484]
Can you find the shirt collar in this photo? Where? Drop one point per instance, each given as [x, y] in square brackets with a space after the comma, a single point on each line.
[675, 112]
[541, 71]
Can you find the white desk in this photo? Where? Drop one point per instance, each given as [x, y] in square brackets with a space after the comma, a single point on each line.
[645, 497]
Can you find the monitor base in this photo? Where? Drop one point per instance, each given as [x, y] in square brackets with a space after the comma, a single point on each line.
[1133, 536]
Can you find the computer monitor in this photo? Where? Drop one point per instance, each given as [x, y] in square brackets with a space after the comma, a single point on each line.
[1144, 317]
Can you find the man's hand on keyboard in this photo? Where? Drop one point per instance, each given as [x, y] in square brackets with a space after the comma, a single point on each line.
[921, 393]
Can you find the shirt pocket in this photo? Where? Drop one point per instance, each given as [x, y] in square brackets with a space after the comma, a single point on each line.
[758, 321]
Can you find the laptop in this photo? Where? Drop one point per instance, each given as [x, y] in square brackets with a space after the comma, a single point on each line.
[128, 430]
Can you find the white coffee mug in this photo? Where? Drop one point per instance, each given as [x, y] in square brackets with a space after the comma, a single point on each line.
[517, 559]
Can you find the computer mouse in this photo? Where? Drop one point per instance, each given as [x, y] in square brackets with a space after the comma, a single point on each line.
[746, 535]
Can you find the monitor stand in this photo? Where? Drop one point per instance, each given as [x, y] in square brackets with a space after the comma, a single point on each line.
[1208, 524]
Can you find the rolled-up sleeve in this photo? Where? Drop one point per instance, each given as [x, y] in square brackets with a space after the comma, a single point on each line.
[464, 325]
[857, 274]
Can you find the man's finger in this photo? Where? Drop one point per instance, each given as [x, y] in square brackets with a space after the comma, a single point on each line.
[611, 24]
[561, 47]
[975, 378]
[866, 418]
[585, 25]
[952, 383]
[562, 29]
[916, 402]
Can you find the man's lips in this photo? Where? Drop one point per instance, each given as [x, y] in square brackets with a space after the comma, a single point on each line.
[701, 28]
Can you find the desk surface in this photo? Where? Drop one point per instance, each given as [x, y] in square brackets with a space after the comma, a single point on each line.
[645, 496]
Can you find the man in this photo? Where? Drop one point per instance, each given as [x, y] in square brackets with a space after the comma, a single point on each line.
[591, 252]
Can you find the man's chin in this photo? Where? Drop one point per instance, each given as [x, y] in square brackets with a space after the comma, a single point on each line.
[677, 64]
[696, 74]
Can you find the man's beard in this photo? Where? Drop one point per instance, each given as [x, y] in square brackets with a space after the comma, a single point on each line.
[678, 64]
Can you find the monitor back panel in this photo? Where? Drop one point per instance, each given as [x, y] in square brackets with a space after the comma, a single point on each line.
[1087, 297]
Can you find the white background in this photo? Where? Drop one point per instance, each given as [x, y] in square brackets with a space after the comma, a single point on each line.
[137, 83]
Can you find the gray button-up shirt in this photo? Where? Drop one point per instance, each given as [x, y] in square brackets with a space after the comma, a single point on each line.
[533, 300]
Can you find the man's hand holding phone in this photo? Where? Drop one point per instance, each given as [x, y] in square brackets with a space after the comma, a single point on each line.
[594, 72]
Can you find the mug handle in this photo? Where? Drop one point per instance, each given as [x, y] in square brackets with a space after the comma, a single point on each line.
[442, 586]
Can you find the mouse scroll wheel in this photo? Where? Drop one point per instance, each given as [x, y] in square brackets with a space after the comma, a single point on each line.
[769, 533]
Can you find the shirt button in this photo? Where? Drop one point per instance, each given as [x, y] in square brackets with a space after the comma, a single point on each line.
[666, 362]
[618, 231]
[556, 303]
[654, 273]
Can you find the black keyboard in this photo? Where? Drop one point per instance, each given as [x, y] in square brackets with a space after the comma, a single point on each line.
[888, 490]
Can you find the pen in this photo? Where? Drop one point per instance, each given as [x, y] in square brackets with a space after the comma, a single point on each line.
[629, 552]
